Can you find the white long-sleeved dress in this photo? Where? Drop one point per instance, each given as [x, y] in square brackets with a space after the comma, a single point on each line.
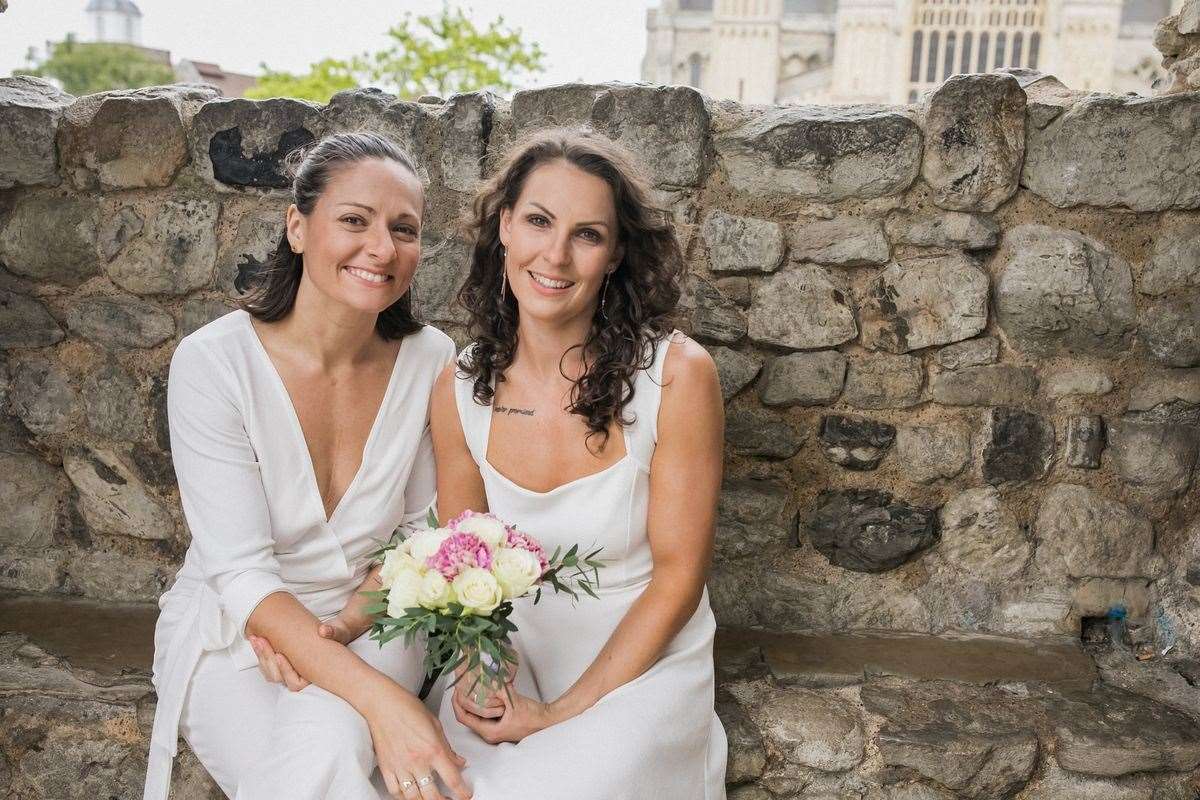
[655, 738]
[258, 526]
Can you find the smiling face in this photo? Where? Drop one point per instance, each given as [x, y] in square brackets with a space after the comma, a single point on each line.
[362, 240]
[561, 239]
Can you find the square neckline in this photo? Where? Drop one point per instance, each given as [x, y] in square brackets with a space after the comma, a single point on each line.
[298, 429]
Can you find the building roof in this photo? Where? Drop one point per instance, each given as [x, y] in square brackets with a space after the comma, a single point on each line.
[126, 6]
[229, 84]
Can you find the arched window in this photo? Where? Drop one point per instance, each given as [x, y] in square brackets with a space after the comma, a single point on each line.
[948, 63]
[966, 53]
[914, 72]
[981, 64]
[931, 64]
[1001, 41]
[1018, 46]
[694, 65]
[1035, 40]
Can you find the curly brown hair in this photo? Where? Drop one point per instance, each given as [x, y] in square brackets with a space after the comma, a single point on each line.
[639, 300]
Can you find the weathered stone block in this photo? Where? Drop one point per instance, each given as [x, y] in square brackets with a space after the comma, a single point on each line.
[971, 353]
[24, 322]
[1157, 455]
[988, 385]
[1170, 329]
[933, 452]
[173, 253]
[715, 318]
[1078, 380]
[667, 126]
[826, 153]
[120, 321]
[1061, 291]
[444, 268]
[869, 531]
[751, 517]
[878, 381]
[855, 443]
[981, 536]
[742, 244]
[30, 111]
[198, 312]
[734, 370]
[113, 404]
[801, 308]
[116, 577]
[1090, 536]
[112, 500]
[1107, 150]
[239, 144]
[1167, 396]
[42, 396]
[924, 302]
[1174, 261]
[949, 230]
[841, 241]
[810, 729]
[51, 238]
[30, 493]
[805, 379]
[974, 141]
[1085, 441]
[1020, 446]
[752, 432]
[127, 139]
[256, 234]
[747, 755]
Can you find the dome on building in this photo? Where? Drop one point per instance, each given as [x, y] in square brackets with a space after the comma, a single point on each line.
[123, 6]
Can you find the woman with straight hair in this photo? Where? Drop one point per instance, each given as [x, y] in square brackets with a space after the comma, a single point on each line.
[300, 435]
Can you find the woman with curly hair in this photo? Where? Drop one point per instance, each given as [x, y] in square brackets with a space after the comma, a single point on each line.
[577, 415]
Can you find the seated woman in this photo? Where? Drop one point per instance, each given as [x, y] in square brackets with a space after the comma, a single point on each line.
[300, 436]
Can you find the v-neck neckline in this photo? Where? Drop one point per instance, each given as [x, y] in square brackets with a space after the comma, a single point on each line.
[298, 429]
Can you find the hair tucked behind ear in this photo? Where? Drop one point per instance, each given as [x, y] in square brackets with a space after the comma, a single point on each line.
[639, 299]
[270, 293]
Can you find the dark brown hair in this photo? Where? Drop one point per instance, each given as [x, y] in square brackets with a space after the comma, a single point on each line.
[270, 293]
[638, 300]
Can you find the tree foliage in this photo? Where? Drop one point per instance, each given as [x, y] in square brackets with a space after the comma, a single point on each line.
[89, 67]
[437, 54]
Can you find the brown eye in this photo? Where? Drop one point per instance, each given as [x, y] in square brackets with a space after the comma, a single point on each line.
[538, 220]
[591, 235]
[353, 219]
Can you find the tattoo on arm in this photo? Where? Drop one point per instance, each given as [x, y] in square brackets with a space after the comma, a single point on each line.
[527, 412]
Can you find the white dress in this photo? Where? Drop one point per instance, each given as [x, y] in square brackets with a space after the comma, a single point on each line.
[258, 526]
[655, 738]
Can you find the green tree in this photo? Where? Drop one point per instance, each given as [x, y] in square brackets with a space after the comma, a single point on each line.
[89, 67]
[430, 54]
[447, 53]
[322, 81]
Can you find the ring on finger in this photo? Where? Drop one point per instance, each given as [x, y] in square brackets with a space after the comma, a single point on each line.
[428, 779]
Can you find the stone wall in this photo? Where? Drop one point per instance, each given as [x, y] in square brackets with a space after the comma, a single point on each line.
[1177, 37]
[958, 341]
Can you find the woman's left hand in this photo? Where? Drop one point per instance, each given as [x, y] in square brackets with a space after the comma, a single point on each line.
[522, 716]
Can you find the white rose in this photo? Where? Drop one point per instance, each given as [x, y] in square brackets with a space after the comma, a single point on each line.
[489, 529]
[422, 544]
[515, 571]
[395, 561]
[435, 591]
[477, 590]
[405, 592]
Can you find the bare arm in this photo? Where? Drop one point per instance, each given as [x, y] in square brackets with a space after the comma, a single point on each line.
[459, 484]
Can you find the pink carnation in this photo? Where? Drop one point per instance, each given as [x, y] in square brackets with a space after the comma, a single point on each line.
[467, 514]
[519, 540]
[457, 552]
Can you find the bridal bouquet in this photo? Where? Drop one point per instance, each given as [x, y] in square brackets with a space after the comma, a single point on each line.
[455, 584]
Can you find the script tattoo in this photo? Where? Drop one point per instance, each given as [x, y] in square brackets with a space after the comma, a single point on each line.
[527, 412]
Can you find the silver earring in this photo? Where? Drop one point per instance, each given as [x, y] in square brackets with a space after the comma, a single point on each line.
[604, 291]
[503, 271]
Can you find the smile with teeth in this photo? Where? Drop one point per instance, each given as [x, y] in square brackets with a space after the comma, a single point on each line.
[542, 280]
[372, 277]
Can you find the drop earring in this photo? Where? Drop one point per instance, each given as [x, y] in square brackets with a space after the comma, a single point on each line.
[503, 271]
[604, 291]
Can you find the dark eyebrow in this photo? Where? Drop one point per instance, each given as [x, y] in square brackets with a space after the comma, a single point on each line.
[546, 211]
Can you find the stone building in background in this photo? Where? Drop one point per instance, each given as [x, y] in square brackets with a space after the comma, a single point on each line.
[892, 51]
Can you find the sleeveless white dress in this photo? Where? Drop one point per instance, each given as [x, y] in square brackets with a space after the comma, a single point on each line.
[655, 737]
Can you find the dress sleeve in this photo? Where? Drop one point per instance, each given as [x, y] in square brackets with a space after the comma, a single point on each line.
[220, 485]
[420, 494]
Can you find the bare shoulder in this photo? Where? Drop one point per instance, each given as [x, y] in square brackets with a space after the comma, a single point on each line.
[443, 385]
[688, 366]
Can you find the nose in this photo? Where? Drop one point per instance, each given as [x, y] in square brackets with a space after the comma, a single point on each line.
[558, 251]
[380, 247]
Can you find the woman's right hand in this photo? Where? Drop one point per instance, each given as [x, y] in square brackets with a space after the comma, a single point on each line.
[410, 746]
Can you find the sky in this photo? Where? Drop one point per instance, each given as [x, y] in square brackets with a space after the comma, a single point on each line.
[586, 41]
